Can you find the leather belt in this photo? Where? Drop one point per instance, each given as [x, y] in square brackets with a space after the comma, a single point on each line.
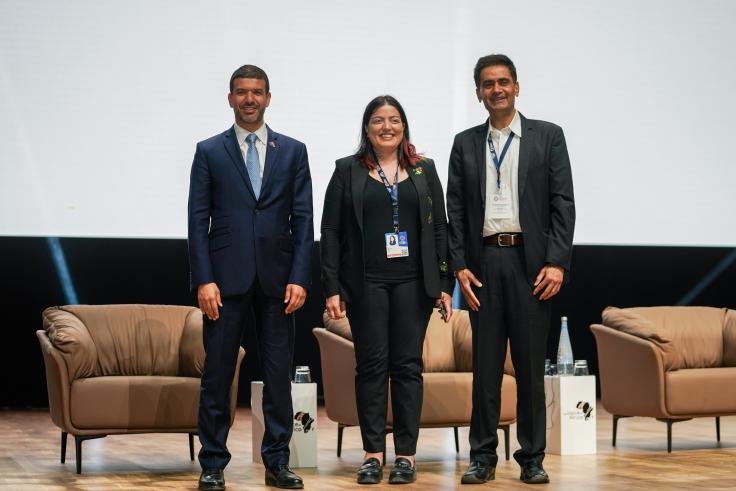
[504, 240]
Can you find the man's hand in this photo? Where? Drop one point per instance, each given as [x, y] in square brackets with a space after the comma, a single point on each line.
[294, 297]
[208, 297]
[446, 300]
[549, 281]
[335, 307]
[465, 277]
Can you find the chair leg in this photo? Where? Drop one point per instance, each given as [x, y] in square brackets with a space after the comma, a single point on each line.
[718, 428]
[63, 446]
[457, 440]
[191, 447]
[615, 428]
[506, 442]
[340, 428]
[669, 436]
[78, 448]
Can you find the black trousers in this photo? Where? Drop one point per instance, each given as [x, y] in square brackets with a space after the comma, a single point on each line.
[388, 324]
[508, 310]
[275, 333]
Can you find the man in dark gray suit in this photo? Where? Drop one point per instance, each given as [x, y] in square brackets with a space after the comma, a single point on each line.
[511, 220]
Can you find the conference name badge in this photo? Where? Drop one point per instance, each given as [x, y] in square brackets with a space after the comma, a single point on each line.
[397, 245]
[500, 205]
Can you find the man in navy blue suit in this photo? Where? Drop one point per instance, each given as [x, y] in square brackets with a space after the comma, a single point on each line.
[250, 241]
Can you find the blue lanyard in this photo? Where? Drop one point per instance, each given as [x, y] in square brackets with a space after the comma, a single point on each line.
[496, 160]
[393, 191]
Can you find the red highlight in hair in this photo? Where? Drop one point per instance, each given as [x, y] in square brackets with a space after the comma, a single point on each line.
[408, 156]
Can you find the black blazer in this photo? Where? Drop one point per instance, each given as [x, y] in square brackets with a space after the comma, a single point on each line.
[343, 268]
[546, 202]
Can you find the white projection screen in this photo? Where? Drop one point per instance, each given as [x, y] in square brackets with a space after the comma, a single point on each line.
[103, 101]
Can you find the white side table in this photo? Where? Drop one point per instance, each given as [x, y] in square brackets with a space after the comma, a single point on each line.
[303, 445]
[571, 414]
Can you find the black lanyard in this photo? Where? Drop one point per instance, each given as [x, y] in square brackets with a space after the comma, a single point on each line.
[393, 191]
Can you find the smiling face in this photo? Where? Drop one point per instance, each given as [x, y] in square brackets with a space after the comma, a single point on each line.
[497, 90]
[249, 101]
[385, 129]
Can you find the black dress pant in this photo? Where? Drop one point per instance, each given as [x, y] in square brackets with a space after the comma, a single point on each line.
[388, 324]
[275, 333]
[508, 310]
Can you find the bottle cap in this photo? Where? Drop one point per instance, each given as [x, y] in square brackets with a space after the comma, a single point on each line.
[563, 318]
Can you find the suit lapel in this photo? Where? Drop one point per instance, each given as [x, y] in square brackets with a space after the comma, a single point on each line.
[417, 175]
[236, 156]
[358, 176]
[479, 146]
[272, 150]
[526, 143]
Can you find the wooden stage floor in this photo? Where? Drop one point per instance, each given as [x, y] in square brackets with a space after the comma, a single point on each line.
[29, 459]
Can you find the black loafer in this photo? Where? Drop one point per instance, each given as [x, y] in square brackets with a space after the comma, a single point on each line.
[211, 480]
[282, 477]
[478, 473]
[403, 472]
[533, 474]
[371, 472]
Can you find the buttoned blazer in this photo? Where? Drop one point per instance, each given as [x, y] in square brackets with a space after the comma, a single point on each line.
[341, 242]
[234, 237]
[546, 201]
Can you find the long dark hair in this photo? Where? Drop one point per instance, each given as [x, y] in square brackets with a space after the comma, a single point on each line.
[407, 153]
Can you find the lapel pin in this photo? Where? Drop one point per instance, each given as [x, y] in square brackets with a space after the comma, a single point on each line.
[272, 144]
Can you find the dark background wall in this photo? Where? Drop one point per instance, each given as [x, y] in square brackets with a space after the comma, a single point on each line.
[156, 271]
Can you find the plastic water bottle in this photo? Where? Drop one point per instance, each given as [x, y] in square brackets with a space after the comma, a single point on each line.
[564, 351]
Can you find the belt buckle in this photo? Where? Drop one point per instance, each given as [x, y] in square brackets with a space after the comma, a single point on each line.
[498, 240]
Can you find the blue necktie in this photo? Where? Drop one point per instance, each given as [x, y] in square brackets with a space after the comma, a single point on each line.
[253, 164]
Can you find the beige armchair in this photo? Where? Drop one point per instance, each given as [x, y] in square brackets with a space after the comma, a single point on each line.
[668, 363]
[448, 377]
[113, 369]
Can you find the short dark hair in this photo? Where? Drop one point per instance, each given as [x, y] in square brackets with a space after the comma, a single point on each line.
[407, 152]
[490, 60]
[249, 71]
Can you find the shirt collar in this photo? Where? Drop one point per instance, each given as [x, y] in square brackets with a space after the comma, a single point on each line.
[515, 125]
[241, 133]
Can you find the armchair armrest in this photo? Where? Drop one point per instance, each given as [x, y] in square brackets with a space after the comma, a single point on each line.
[631, 372]
[338, 376]
[57, 383]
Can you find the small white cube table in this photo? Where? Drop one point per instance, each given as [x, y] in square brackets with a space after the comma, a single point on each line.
[571, 414]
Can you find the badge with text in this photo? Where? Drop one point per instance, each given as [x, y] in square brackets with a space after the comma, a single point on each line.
[500, 204]
[397, 245]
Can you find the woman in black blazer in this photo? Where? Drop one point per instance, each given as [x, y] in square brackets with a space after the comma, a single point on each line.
[384, 264]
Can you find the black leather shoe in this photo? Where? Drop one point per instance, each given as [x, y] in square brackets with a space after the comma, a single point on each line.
[212, 480]
[478, 473]
[281, 477]
[533, 474]
[371, 472]
[403, 472]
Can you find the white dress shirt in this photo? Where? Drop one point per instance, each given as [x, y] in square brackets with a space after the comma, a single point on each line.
[261, 139]
[509, 177]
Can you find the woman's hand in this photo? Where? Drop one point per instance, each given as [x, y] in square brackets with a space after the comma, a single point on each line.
[335, 307]
[445, 300]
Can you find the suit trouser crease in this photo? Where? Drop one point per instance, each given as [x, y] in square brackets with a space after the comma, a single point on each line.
[275, 344]
[508, 311]
[389, 322]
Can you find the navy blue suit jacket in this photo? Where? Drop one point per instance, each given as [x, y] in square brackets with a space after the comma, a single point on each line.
[232, 236]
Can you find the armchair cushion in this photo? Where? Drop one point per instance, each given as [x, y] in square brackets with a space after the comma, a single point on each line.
[700, 391]
[688, 337]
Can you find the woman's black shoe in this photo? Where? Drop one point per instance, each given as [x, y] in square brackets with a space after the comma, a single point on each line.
[370, 472]
[403, 472]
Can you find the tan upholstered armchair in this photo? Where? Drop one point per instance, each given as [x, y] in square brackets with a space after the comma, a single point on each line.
[448, 377]
[114, 369]
[669, 363]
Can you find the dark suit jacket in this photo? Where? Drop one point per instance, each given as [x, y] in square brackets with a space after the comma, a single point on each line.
[546, 203]
[342, 229]
[233, 237]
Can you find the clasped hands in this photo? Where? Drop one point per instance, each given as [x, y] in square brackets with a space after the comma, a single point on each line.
[547, 284]
[209, 300]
